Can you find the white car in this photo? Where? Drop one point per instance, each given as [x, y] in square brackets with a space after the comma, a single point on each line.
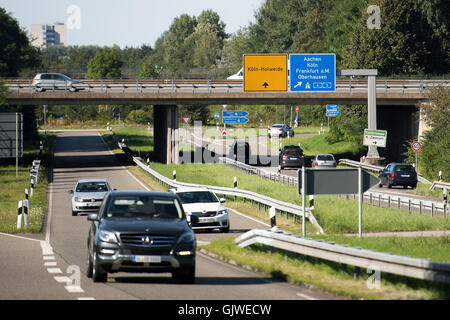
[88, 195]
[204, 204]
[237, 76]
[56, 81]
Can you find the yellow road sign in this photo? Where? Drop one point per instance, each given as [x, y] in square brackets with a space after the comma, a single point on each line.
[265, 72]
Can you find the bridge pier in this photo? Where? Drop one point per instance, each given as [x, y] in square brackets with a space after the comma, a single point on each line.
[165, 133]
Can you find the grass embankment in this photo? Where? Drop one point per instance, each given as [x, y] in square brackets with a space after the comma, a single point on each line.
[12, 189]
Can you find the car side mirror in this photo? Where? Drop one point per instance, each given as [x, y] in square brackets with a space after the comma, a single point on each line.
[92, 216]
[70, 191]
[222, 200]
[194, 219]
[114, 189]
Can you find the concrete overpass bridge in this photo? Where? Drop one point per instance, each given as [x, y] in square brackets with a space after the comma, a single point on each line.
[395, 101]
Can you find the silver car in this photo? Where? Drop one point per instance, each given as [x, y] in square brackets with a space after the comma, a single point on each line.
[88, 195]
[324, 160]
[280, 130]
[56, 81]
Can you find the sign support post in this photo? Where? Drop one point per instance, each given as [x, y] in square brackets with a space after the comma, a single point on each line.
[360, 201]
[303, 203]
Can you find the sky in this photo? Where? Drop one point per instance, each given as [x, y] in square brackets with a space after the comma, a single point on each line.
[129, 23]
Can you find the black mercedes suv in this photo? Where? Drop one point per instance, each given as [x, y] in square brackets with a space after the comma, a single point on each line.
[141, 231]
[291, 156]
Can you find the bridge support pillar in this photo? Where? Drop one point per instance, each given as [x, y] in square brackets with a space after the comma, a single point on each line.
[165, 136]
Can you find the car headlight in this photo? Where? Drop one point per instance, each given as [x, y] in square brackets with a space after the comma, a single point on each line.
[222, 212]
[187, 238]
[76, 199]
[107, 236]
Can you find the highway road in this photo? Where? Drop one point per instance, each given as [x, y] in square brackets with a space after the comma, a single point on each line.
[52, 265]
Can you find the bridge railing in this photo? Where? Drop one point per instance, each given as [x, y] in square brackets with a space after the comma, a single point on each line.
[205, 85]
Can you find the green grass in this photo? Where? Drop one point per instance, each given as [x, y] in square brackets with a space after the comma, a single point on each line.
[12, 189]
[137, 138]
[324, 275]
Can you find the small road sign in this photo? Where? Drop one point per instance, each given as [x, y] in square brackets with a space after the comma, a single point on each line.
[312, 72]
[224, 132]
[416, 146]
[234, 120]
[234, 113]
[332, 110]
[186, 120]
[265, 72]
[216, 115]
[375, 138]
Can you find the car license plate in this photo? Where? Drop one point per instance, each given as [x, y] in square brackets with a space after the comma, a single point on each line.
[405, 175]
[293, 158]
[151, 259]
[206, 220]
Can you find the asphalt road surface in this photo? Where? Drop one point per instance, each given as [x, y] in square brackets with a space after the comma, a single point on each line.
[52, 265]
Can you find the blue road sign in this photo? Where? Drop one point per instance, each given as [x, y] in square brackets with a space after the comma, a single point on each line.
[235, 120]
[332, 110]
[312, 72]
[216, 115]
[234, 113]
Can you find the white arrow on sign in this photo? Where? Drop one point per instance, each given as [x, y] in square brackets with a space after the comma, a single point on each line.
[298, 84]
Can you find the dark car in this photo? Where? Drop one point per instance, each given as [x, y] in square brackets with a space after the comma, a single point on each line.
[240, 151]
[292, 156]
[398, 174]
[141, 231]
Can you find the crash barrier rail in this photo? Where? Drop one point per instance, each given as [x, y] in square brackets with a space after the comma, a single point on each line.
[209, 85]
[423, 269]
[281, 206]
[432, 207]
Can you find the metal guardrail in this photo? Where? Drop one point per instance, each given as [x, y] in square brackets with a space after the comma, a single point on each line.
[282, 206]
[208, 85]
[440, 184]
[423, 269]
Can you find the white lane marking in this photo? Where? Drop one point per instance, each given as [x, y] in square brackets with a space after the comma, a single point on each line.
[305, 296]
[74, 289]
[50, 264]
[46, 248]
[18, 237]
[62, 279]
[248, 217]
[137, 180]
[54, 270]
[48, 257]
[85, 298]
[203, 242]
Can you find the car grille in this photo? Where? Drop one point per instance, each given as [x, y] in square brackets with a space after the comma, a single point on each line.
[146, 240]
[91, 200]
[205, 214]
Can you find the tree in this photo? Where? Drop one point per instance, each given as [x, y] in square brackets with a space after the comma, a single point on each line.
[403, 45]
[204, 45]
[105, 64]
[147, 71]
[16, 52]
[434, 155]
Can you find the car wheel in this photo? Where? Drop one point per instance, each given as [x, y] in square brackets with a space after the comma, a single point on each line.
[90, 266]
[225, 229]
[405, 187]
[38, 89]
[389, 185]
[73, 89]
[98, 274]
[414, 186]
[185, 276]
[74, 213]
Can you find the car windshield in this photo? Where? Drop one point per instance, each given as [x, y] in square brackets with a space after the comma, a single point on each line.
[406, 168]
[292, 152]
[197, 196]
[325, 157]
[278, 126]
[92, 187]
[148, 207]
